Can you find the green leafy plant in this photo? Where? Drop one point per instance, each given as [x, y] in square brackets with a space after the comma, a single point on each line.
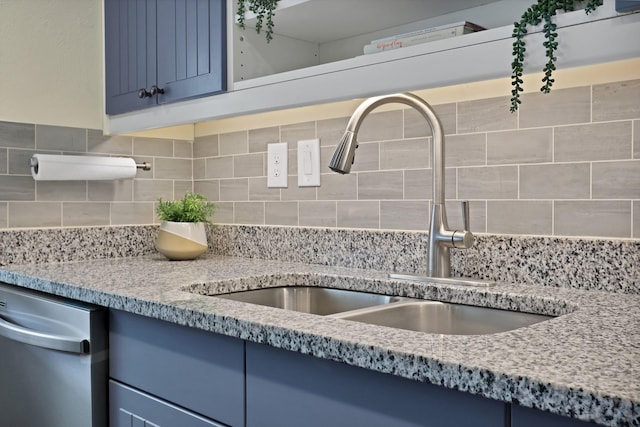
[543, 10]
[264, 10]
[192, 207]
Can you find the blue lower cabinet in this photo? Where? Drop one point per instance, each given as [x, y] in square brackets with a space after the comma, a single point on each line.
[527, 417]
[132, 408]
[286, 389]
[192, 369]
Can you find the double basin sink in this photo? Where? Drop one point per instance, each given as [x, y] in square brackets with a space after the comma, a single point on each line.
[395, 312]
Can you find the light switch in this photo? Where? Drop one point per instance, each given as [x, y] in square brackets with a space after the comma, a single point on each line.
[309, 163]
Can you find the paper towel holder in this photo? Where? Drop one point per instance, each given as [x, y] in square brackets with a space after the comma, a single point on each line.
[145, 166]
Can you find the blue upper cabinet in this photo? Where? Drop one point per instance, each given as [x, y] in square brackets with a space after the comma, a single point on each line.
[161, 51]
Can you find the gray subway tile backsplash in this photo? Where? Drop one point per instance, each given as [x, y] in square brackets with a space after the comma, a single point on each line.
[520, 146]
[209, 188]
[555, 181]
[380, 185]
[152, 147]
[317, 213]
[258, 190]
[403, 154]
[293, 192]
[61, 138]
[636, 219]
[110, 191]
[520, 217]
[404, 215]
[183, 149]
[597, 141]
[82, 214]
[616, 180]
[97, 143]
[329, 131]
[381, 126]
[205, 146]
[636, 139]
[233, 143]
[494, 182]
[223, 213]
[13, 187]
[550, 169]
[3, 214]
[61, 191]
[338, 187]
[295, 132]
[130, 213]
[246, 165]
[281, 213]
[416, 126]
[18, 161]
[234, 189]
[560, 107]
[219, 167]
[3, 160]
[592, 218]
[466, 150]
[486, 115]
[358, 214]
[150, 190]
[248, 212]
[260, 138]
[368, 157]
[172, 168]
[616, 101]
[18, 135]
[35, 214]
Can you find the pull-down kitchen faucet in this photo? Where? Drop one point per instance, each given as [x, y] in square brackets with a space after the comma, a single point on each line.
[441, 239]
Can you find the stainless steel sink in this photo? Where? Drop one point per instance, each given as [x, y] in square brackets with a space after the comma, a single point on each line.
[395, 312]
[311, 299]
[444, 318]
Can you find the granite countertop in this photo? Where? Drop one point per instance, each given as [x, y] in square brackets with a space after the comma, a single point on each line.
[584, 363]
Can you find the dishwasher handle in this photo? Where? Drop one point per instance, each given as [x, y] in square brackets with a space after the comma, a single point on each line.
[42, 339]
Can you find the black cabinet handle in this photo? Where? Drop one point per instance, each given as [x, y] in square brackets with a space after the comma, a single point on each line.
[156, 90]
[144, 93]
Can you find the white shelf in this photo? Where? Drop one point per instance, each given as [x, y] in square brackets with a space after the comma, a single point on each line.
[600, 37]
[321, 21]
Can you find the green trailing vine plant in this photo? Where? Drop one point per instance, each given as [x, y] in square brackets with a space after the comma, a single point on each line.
[543, 10]
[264, 10]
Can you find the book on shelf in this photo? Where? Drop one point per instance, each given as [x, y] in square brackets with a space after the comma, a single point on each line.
[422, 36]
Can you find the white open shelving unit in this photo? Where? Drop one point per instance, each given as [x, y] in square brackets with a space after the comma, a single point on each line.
[315, 58]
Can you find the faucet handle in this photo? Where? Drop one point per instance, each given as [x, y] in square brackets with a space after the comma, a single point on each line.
[463, 239]
[466, 221]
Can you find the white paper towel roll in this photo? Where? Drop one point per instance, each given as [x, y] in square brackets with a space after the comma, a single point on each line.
[51, 167]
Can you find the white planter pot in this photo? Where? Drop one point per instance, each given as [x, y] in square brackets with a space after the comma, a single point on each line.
[181, 240]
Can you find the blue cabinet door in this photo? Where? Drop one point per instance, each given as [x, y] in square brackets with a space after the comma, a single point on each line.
[129, 407]
[196, 370]
[130, 53]
[161, 51]
[287, 389]
[191, 48]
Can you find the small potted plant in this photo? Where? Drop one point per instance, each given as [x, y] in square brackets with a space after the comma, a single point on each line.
[182, 233]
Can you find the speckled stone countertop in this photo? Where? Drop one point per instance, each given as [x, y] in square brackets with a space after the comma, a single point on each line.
[584, 363]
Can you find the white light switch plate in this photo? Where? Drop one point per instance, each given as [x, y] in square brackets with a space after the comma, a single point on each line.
[309, 163]
[277, 162]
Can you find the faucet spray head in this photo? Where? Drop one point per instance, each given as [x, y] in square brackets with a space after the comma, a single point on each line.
[344, 155]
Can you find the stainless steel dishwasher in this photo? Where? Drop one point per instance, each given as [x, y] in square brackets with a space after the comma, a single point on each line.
[53, 361]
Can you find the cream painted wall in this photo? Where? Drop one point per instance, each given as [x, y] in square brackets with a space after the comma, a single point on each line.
[51, 62]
